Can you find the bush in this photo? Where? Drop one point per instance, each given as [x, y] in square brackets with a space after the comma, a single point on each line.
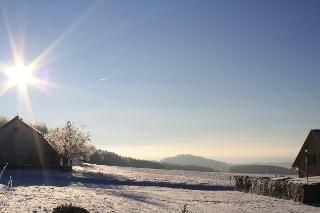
[69, 208]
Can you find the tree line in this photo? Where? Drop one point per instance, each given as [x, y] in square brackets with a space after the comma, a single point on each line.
[112, 159]
[72, 142]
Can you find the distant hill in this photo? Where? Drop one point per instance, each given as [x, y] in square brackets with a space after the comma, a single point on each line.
[281, 164]
[112, 159]
[187, 159]
[262, 169]
[186, 162]
[282, 168]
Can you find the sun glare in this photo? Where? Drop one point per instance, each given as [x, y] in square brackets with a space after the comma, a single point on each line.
[19, 74]
[34, 73]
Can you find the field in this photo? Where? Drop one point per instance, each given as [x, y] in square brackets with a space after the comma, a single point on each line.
[121, 189]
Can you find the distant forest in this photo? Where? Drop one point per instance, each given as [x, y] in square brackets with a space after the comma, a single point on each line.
[112, 159]
[262, 169]
[172, 163]
[109, 158]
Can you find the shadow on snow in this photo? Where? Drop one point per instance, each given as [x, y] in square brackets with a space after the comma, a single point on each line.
[57, 178]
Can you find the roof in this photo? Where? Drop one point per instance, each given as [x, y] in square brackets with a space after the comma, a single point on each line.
[313, 132]
[316, 132]
[44, 140]
[17, 118]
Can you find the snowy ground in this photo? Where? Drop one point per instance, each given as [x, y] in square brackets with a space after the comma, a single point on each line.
[158, 175]
[105, 197]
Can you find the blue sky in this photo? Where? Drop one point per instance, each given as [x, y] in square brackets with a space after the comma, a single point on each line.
[230, 80]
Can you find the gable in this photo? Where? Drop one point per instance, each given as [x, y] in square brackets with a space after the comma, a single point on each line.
[20, 143]
[312, 144]
[16, 131]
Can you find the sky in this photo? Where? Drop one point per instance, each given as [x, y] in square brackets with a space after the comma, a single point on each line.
[235, 81]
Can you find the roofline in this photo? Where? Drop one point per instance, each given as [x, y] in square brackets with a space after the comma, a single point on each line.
[17, 117]
[315, 134]
[40, 133]
[309, 135]
[8, 122]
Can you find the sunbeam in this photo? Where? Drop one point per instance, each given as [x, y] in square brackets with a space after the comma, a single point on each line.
[16, 54]
[5, 87]
[41, 61]
[3, 67]
[24, 99]
[21, 74]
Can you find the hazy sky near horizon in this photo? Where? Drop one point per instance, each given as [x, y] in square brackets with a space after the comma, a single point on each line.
[231, 80]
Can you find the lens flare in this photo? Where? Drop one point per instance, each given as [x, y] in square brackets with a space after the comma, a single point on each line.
[34, 73]
[19, 74]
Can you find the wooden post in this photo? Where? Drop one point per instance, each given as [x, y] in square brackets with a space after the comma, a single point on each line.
[306, 151]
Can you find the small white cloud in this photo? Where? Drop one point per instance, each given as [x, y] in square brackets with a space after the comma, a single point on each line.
[103, 79]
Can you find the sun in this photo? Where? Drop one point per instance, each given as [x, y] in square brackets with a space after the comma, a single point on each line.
[19, 74]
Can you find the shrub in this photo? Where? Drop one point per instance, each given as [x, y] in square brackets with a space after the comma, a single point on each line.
[69, 208]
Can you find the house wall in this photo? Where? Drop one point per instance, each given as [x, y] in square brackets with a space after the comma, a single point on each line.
[22, 146]
[313, 146]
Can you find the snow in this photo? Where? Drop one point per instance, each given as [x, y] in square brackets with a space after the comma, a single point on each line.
[159, 175]
[100, 197]
[311, 180]
[143, 199]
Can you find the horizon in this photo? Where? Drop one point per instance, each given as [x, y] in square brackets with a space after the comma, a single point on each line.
[227, 160]
[230, 81]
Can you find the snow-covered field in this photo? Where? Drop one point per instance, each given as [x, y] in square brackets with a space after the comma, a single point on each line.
[158, 175]
[107, 197]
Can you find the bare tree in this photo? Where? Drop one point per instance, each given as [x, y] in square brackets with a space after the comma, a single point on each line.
[71, 142]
